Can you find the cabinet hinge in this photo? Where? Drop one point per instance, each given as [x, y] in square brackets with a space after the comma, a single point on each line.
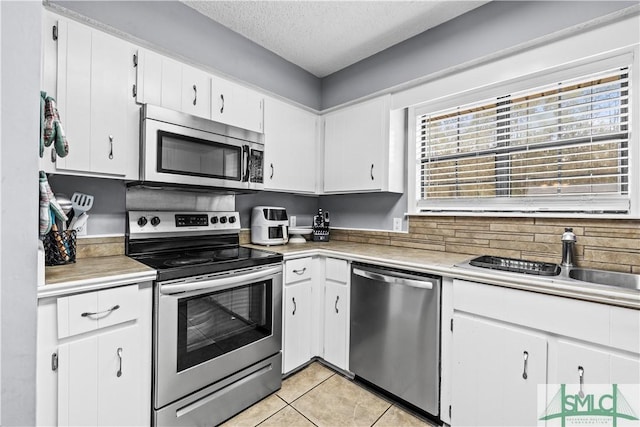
[452, 324]
[55, 32]
[135, 60]
[134, 91]
[54, 362]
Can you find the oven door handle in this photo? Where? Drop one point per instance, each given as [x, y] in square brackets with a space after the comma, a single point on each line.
[224, 282]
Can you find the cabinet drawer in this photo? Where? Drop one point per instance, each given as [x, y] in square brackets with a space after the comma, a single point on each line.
[94, 310]
[337, 270]
[297, 270]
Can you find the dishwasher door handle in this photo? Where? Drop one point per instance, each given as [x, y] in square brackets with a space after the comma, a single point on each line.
[422, 284]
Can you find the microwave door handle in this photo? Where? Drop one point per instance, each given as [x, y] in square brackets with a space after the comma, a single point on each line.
[245, 155]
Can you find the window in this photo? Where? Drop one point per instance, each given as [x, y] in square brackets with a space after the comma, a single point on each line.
[561, 147]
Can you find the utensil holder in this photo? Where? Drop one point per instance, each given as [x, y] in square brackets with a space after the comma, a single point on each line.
[60, 247]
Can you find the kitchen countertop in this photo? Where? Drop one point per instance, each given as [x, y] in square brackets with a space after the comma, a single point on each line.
[94, 273]
[445, 264]
[103, 272]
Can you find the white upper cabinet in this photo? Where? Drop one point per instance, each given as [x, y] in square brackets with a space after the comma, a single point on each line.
[236, 105]
[171, 84]
[363, 148]
[94, 74]
[196, 92]
[290, 148]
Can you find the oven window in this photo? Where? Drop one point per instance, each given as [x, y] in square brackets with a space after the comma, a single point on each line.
[184, 155]
[216, 323]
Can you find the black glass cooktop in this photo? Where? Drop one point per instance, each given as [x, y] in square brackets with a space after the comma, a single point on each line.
[175, 259]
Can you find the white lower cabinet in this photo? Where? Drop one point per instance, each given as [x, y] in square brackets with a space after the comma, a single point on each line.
[494, 364]
[94, 363]
[564, 341]
[297, 314]
[336, 313]
[297, 321]
[316, 312]
[99, 379]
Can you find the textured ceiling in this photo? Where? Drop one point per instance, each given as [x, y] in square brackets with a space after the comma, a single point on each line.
[323, 37]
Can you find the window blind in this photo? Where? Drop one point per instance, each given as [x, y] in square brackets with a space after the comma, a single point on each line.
[561, 147]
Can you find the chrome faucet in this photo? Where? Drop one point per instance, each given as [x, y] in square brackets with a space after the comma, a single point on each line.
[568, 248]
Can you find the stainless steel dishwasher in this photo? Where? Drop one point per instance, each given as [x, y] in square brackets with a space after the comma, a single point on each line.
[395, 333]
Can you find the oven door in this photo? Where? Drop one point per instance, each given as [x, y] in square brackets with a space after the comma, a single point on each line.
[206, 330]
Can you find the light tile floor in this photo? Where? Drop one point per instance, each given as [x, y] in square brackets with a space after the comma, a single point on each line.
[318, 396]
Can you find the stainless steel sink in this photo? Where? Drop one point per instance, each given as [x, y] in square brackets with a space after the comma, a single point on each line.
[610, 278]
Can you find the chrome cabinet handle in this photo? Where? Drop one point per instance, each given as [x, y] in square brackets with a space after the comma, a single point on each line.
[300, 272]
[222, 99]
[110, 147]
[372, 178]
[97, 313]
[294, 306]
[525, 356]
[119, 353]
[337, 299]
[581, 377]
[195, 94]
[271, 177]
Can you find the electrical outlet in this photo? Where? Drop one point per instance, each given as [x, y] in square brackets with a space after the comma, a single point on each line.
[292, 221]
[397, 224]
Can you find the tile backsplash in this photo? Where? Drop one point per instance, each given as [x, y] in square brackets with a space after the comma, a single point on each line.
[606, 244]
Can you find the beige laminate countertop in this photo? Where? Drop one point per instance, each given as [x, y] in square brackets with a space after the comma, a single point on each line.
[102, 272]
[94, 273]
[445, 264]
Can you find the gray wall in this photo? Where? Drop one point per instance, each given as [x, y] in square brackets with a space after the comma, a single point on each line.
[108, 213]
[179, 29]
[303, 207]
[19, 128]
[490, 28]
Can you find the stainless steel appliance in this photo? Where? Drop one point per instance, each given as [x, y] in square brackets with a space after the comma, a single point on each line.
[184, 150]
[320, 226]
[217, 315]
[395, 333]
[269, 225]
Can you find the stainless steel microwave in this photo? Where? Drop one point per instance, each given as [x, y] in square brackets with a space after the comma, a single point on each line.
[184, 150]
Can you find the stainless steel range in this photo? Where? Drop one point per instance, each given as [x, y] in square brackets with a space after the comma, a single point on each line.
[217, 318]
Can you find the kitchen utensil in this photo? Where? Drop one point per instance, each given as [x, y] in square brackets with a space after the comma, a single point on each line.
[79, 223]
[81, 203]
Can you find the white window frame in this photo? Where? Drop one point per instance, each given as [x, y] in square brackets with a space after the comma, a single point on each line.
[621, 57]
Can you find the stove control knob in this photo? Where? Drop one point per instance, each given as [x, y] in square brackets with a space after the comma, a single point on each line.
[232, 219]
[155, 221]
[214, 220]
[142, 221]
[223, 220]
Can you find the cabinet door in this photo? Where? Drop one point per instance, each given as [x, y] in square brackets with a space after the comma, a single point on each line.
[119, 377]
[290, 138]
[488, 367]
[78, 383]
[297, 305]
[355, 139]
[149, 78]
[236, 105]
[90, 391]
[74, 93]
[171, 84]
[196, 92]
[110, 95]
[95, 101]
[336, 324]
